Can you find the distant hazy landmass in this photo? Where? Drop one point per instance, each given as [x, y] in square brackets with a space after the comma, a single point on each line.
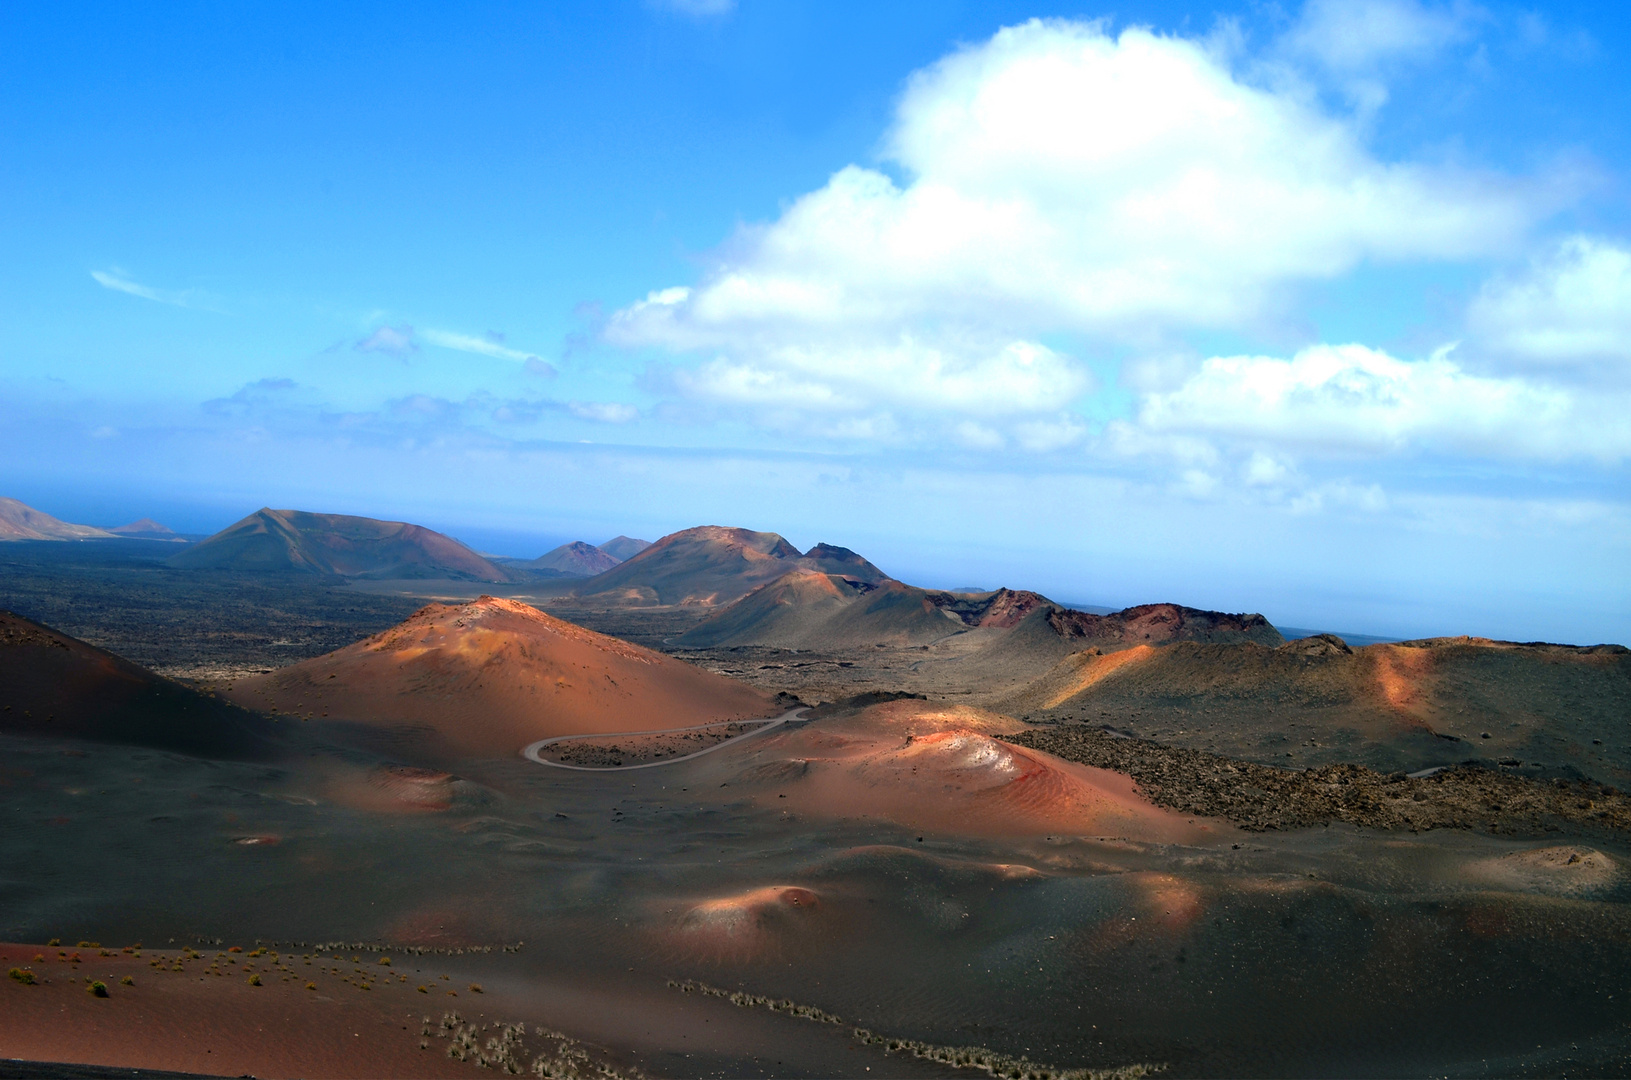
[19, 521]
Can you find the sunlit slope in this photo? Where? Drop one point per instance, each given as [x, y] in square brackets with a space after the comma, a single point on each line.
[19, 521]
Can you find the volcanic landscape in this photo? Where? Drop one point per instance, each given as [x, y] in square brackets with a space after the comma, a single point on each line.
[331, 796]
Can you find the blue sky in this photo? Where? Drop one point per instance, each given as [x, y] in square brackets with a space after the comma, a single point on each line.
[1321, 310]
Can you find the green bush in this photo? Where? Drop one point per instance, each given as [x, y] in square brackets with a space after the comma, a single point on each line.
[24, 976]
[98, 988]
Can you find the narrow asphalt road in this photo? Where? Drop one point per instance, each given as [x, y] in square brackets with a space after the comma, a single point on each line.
[531, 750]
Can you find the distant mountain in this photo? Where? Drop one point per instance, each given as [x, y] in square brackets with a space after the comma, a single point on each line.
[806, 609]
[21, 522]
[624, 548]
[1026, 632]
[715, 566]
[294, 541]
[488, 677]
[55, 686]
[576, 559]
[147, 529]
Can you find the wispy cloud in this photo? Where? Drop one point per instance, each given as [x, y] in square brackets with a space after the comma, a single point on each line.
[119, 281]
[605, 412]
[492, 344]
[394, 340]
[696, 9]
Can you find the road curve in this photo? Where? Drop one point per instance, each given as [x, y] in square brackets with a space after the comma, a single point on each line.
[531, 750]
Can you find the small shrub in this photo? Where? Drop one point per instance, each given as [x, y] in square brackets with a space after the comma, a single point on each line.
[311, 986]
[475, 988]
[24, 976]
[236, 948]
[424, 989]
[386, 960]
[54, 942]
[98, 988]
[254, 980]
[127, 981]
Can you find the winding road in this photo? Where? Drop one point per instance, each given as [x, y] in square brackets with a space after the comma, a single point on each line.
[531, 750]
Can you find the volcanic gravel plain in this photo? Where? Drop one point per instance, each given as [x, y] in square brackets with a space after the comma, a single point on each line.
[924, 871]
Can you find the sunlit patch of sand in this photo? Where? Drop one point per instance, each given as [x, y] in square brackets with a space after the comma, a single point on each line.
[746, 924]
[398, 789]
[939, 769]
[1085, 669]
[1170, 902]
[1399, 674]
[1565, 870]
[1153, 904]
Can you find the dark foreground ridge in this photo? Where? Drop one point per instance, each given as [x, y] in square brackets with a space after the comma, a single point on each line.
[1258, 797]
[61, 1070]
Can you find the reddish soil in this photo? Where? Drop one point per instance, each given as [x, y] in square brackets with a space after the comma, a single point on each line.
[195, 1021]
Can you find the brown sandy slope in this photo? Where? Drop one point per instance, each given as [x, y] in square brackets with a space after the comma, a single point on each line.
[22, 522]
[941, 769]
[294, 541]
[715, 566]
[54, 686]
[577, 558]
[488, 677]
[1393, 707]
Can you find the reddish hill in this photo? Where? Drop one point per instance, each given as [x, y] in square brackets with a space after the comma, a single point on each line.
[22, 522]
[715, 566]
[488, 677]
[55, 686]
[294, 541]
[942, 769]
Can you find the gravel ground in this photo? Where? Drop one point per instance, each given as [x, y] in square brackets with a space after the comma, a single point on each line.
[1259, 797]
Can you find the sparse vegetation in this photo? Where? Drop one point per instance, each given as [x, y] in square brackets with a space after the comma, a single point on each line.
[128, 980]
[502, 1047]
[1260, 797]
[254, 980]
[23, 975]
[958, 1057]
[97, 988]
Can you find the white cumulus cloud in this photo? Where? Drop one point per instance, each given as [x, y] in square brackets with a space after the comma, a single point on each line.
[1056, 179]
[1571, 307]
[1354, 399]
